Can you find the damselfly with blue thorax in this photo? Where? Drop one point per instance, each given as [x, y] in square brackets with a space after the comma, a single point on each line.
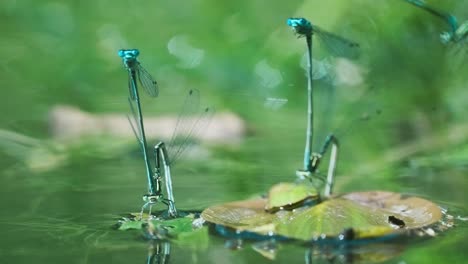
[191, 121]
[138, 75]
[338, 46]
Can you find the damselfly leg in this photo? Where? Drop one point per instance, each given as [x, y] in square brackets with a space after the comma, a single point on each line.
[159, 253]
[316, 157]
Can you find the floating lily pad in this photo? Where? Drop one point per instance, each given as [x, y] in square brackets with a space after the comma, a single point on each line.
[331, 219]
[415, 212]
[242, 215]
[349, 217]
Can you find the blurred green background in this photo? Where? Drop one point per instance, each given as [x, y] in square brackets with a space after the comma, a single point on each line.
[238, 54]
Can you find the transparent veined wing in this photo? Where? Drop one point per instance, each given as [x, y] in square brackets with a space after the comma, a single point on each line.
[199, 124]
[147, 81]
[337, 45]
[189, 109]
[133, 120]
[191, 122]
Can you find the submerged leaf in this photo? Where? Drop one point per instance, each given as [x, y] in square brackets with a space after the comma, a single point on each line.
[160, 229]
[197, 238]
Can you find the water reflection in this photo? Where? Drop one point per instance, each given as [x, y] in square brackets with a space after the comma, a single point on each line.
[320, 253]
[159, 252]
[352, 255]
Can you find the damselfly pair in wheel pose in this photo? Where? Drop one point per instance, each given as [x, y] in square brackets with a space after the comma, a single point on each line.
[191, 121]
[341, 47]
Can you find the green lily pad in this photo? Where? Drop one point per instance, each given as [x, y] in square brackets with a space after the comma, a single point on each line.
[331, 218]
[355, 215]
[289, 196]
[414, 211]
[242, 215]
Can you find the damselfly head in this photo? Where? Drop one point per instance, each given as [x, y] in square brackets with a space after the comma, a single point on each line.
[129, 53]
[301, 26]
